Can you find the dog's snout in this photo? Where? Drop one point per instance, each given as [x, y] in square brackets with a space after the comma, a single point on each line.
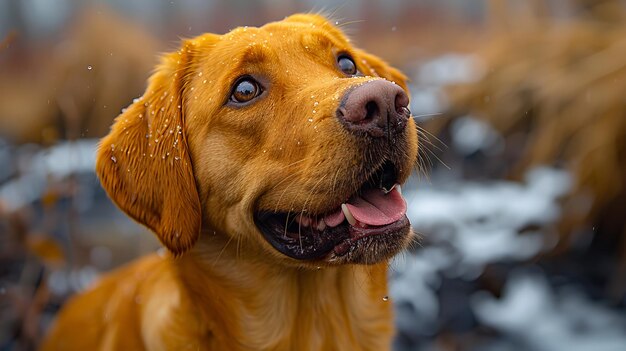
[375, 108]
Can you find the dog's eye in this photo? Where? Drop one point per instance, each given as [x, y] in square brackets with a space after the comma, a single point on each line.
[347, 65]
[245, 90]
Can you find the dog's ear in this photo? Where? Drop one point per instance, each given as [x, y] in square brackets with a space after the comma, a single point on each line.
[377, 67]
[144, 163]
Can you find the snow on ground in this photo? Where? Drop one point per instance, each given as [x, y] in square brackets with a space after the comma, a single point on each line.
[467, 225]
[470, 225]
[36, 167]
[548, 320]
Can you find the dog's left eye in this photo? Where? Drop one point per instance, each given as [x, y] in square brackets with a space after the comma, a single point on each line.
[245, 90]
[346, 65]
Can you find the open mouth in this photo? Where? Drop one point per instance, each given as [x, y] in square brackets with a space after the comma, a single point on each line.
[376, 212]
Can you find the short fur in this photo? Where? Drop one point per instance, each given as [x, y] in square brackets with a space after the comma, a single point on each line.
[193, 169]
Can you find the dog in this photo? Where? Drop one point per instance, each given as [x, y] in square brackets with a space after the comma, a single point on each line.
[268, 161]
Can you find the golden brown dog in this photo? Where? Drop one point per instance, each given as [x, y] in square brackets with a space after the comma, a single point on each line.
[267, 161]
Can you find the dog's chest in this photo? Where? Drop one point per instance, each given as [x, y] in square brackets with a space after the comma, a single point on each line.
[348, 315]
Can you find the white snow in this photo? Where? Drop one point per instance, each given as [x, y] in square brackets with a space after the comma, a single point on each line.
[548, 320]
[54, 163]
[483, 220]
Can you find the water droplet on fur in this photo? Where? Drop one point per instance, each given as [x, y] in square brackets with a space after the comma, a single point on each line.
[113, 159]
[385, 298]
[89, 67]
[316, 103]
[310, 119]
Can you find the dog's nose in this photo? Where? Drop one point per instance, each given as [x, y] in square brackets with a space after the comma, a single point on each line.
[377, 108]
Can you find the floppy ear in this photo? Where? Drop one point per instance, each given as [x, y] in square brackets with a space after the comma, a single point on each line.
[144, 162]
[377, 67]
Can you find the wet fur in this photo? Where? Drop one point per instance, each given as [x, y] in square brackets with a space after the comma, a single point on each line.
[192, 169]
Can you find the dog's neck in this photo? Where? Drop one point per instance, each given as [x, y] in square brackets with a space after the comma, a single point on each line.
[301, 305]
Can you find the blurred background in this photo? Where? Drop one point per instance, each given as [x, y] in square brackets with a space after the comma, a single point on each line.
[520, 201]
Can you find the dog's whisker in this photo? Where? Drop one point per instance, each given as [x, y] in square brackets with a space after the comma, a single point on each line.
[286, 179]
[424, 131]
[222, 251]
[344, 24]
[238, 248]
[312, 191]
[427, 115]
[300, 231]
[334, 184]
[280, 198]
[424, 138]
[438, 159]
[332, 16]
[286, 225]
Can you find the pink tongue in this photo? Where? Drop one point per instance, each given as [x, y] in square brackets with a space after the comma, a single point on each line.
[374, 207]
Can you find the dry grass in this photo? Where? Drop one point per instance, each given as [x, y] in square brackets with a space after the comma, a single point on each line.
[556, 89]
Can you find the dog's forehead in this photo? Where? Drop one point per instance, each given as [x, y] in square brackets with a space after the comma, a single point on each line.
[288, 35]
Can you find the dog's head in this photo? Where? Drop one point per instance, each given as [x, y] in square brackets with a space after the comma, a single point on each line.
[283, 137]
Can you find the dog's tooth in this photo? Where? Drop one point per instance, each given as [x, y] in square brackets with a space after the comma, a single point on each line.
[305, 221]
[349, 216]
[321, 225]
[399, 188]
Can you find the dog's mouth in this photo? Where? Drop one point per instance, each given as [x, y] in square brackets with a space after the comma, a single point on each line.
[374, 217]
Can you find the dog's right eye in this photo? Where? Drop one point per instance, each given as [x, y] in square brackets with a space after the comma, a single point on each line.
[346, 65]
[245, 90]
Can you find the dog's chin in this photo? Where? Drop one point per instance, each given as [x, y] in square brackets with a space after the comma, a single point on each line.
[372, 245]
